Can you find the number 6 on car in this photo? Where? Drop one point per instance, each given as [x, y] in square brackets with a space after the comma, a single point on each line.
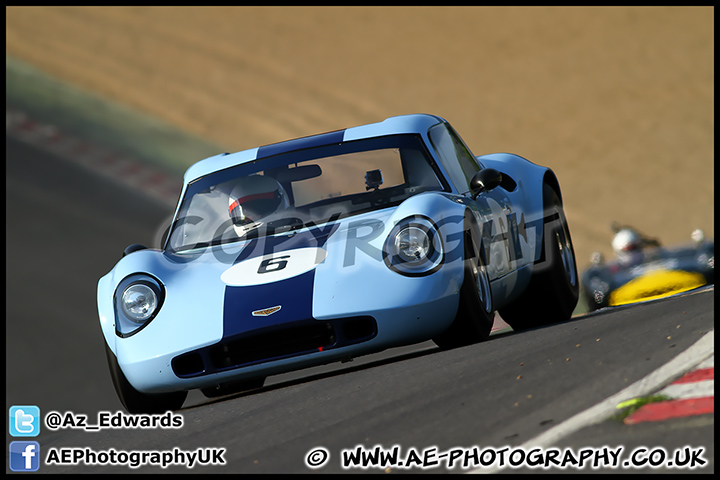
[273, 267]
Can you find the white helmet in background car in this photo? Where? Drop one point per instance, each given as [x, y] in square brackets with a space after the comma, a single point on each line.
[627, 240]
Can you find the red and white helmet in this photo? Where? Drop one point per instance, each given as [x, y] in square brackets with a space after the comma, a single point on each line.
[627, 240]
[254, 198]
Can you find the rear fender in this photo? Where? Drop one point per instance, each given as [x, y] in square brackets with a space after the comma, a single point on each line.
[527, 194]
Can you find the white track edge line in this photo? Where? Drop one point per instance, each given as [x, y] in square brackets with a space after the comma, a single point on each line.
[693, 356]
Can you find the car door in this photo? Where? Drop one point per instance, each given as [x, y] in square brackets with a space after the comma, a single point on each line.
[497, 218]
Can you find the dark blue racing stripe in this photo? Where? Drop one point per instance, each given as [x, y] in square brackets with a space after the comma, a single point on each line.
[294, 295]
[328, 138]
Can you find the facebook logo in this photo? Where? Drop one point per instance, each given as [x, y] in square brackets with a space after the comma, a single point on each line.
[24, 421]
[24, 456]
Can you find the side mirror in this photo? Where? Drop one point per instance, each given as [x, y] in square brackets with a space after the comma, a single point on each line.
[485, 180]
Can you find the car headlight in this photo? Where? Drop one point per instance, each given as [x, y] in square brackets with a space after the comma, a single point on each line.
[138, 299]
[138, 302]
[414, 247]
[412, 244]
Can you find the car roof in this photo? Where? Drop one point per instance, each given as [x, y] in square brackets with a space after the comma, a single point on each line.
[414, 123]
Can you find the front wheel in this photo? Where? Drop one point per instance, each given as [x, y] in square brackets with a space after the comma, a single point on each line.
[474, 319]
[552, 293]
[138, 402]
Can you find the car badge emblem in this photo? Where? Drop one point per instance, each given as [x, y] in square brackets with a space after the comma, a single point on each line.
[266, 311]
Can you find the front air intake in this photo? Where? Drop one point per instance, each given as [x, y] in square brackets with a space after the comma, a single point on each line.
[250, 348]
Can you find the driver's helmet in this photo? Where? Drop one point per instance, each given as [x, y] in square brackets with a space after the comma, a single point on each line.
[626, 241]
[254, 198]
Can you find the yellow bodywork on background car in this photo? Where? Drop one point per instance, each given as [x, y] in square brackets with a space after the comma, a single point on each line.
[656, 284]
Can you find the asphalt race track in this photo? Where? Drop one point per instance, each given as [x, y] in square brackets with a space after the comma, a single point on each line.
[66, 227]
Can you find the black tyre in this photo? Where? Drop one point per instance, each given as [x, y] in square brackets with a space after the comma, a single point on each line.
[552, 294]
[138, 402]
[474, 319]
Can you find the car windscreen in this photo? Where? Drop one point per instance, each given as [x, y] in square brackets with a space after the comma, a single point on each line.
[302, 188]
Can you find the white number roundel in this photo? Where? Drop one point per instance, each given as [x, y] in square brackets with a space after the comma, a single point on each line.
[273, 267]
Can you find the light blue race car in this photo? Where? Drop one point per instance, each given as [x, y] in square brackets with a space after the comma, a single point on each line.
[324, 248]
